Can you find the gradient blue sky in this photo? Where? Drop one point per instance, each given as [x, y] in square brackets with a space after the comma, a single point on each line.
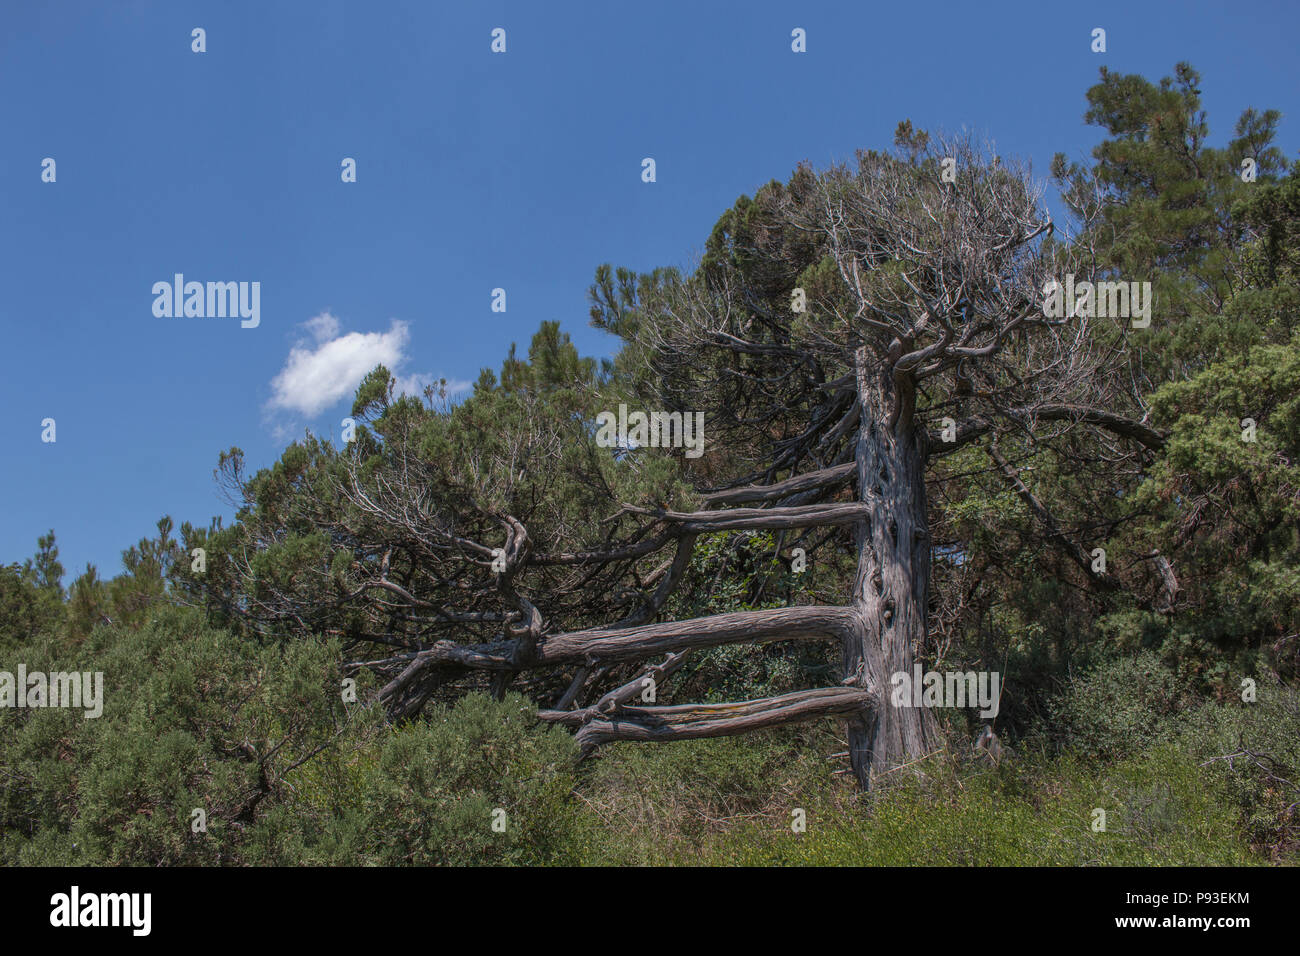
[475, 171]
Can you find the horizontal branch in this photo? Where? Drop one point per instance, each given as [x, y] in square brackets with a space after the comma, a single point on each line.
[694, 721]
[736, 519]
[638, 550]
[603, 645]
[1125, 427]
[823, 478]
[614, 644]
[971, 428]
[494, 656]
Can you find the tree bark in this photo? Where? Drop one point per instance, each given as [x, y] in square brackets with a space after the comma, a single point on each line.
[891, 590]
[696, 721]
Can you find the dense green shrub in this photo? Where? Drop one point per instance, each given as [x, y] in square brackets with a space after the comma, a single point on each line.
[428, 792]
[1117, 708]
[257, 737]
[1254, 749]
[193, 719]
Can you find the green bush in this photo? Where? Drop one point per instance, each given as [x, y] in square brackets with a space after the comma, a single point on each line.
[428, 792]
[1254, 750]
[1117, 708]
[257, 737]
[193, 719]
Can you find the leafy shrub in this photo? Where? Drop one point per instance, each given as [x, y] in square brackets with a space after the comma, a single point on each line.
[426, 794]
[1253, 749]
[256, 736]
[1117, 708]
[193, 719]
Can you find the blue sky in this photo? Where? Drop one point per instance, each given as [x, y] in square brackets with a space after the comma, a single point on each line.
[474, 171]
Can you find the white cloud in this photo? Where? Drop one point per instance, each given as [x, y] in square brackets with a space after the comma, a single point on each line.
[322, 327]
[313, 379]
[327, 367]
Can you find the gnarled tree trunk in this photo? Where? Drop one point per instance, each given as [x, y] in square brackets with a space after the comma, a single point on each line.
[891, 589]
